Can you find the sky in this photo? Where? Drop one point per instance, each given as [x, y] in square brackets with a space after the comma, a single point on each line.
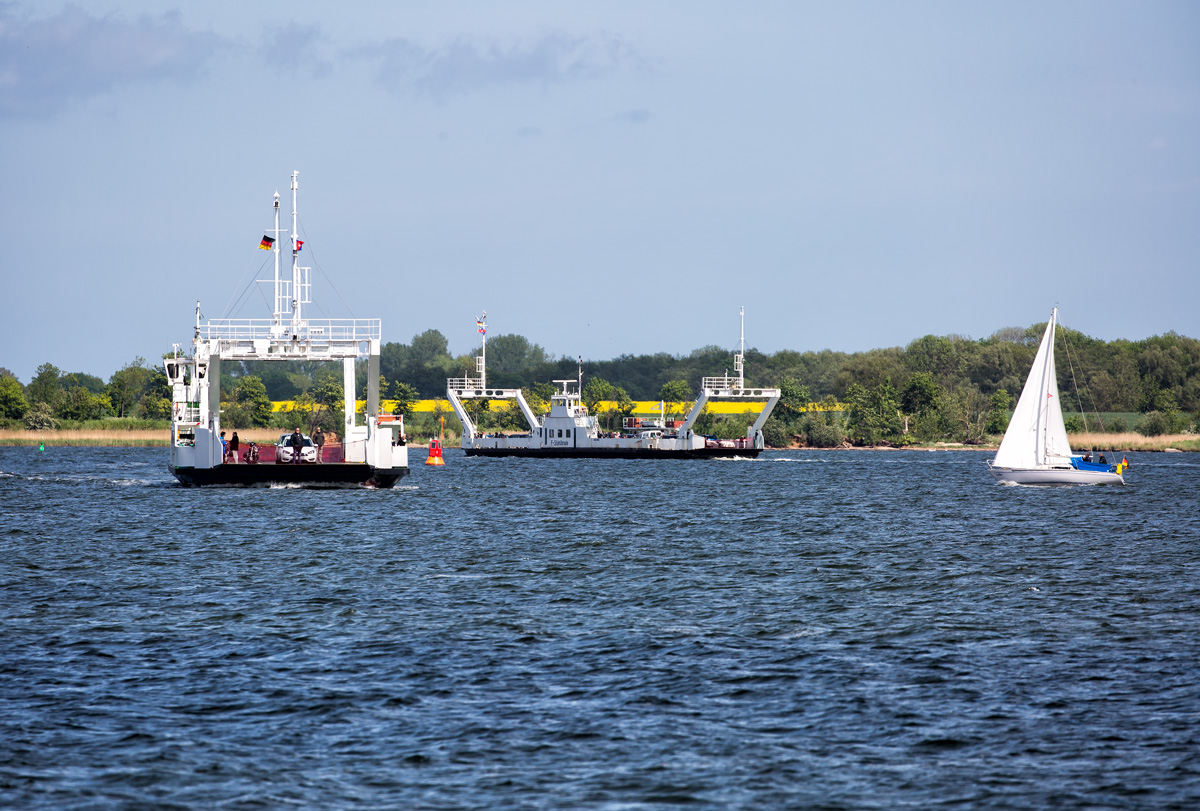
[603, 178]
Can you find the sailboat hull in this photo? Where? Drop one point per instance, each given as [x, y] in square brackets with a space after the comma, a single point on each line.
[1054, 475]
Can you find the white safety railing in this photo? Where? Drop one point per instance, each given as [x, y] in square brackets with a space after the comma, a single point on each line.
[726, 382]
[465, 384]
[258, 329]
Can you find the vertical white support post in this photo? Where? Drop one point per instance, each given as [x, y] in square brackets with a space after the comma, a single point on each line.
[372, 380]
[348, 385]
[214, 403]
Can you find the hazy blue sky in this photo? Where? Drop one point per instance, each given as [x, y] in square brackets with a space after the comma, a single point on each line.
[602, 178]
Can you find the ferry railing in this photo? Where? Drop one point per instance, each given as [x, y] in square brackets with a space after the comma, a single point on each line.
[259, 329]
[731, 384]
[725, 382]
[464, 383]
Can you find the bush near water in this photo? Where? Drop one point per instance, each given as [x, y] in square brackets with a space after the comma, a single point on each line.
[936, 389]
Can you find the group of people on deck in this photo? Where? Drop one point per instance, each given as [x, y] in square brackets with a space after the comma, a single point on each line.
[1087, 457]
[297, 444]
[230, 447]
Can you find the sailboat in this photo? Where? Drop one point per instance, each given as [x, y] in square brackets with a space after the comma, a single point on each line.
[1035, 448]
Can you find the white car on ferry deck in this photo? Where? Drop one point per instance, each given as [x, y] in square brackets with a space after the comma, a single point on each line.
[283, 451]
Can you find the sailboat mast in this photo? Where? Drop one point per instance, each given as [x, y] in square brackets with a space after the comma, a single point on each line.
[1040, 427]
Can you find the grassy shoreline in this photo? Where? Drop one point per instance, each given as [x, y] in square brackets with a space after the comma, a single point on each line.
[159, 438]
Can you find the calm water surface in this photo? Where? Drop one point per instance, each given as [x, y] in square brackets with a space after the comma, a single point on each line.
[806, 630]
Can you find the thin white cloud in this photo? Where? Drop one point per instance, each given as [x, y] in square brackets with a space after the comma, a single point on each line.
[48, 63]
[298, 49]
[466, 65]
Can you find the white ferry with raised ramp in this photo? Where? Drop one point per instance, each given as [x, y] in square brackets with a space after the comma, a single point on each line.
[569, 431]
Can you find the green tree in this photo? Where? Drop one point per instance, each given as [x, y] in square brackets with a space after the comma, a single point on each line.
[13, 404]
[971, 414]
[706, 422]
[599, 390]
[624, 406]
[406, 397]
[998, 407]
[90, 382]
[874, 413]
[793, 397]
[155, 402]
[479, 410]
[870, 369]
[45, 386]
[783, 424]
[596, 390]
[674, 394]
[77, 403]
[512, 355]
[424, 364]
[920, 395]
[934, 355]
[328, 397]
[510, 418]
[153, 407]
[126, 386]
[252, 394]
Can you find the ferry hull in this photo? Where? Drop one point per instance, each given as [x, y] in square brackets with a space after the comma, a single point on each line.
[617, 453]
[1053, 476]
[334, 474]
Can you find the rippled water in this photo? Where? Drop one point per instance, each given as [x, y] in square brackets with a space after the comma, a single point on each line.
[810, 629]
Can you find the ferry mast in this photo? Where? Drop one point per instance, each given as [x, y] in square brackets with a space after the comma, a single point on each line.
[297, 284]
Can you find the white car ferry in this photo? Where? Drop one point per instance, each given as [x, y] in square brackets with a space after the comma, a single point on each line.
[568, 431]
[373, 454]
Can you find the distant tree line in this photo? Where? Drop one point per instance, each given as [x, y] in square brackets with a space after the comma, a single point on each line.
[935, 388]
[136, 391]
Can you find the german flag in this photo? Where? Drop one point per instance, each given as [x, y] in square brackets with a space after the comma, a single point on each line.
[266, 243]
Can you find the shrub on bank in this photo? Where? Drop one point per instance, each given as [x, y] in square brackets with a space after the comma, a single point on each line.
[1154, 423]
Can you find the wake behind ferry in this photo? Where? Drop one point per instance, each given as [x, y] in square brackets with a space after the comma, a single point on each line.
[373, 454]
[568, 431]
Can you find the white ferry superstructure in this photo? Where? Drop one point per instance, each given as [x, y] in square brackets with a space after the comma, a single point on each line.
[569, 431]
[373, 453]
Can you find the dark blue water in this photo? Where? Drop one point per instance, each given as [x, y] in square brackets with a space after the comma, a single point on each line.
[808, 630]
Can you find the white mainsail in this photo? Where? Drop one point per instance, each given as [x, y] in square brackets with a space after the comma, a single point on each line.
[1036, 436]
